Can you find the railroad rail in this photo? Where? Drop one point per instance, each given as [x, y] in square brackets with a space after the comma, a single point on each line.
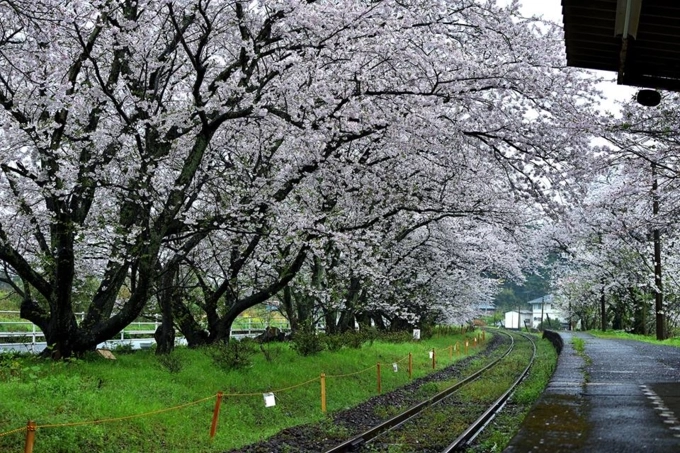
[478, 425]
[357, 442]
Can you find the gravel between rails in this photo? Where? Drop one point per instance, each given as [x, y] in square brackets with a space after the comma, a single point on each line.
[319, 437]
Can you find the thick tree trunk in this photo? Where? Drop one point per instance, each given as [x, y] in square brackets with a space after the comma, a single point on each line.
[165, 333]
[379, 321]
[331, 321]
[288, 308]
[195, 335]
[639, 313]
[61, 338]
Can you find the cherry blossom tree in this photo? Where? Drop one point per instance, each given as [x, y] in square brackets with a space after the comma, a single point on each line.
[608, 242]
[226, 145]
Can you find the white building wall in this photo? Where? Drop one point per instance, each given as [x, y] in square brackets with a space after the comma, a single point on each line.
[548, 312]
[511, 318]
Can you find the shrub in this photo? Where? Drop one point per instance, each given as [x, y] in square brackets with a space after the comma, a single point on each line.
[370, 334]
[333, 342]
[306, 341]
[400, 336]
[170, 362]
[270, 352]
[233, 355]
[10, 366]
[123, 348]
[426, 331]
[554, 324]
[354, 339]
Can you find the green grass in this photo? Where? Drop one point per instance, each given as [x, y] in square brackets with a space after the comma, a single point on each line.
[579, 345]
[580, 348]
[97, 389]
[629, 336]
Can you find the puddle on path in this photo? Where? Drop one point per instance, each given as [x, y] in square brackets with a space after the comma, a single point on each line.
[558, 423]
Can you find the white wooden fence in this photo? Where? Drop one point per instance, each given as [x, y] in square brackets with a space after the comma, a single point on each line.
[24, 336]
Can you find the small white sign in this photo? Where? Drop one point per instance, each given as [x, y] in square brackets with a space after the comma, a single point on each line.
[431, 354]
[269, 399]
[416, 334]
[395, 367]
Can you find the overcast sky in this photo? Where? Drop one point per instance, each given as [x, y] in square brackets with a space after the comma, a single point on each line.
[552, 10]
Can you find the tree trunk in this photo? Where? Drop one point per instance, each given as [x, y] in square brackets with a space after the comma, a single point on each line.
[639, 313]
[658, 282]
[603, 312]
[289, 309]
[168, 291]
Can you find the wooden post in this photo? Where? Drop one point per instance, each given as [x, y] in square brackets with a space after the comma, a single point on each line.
[467, 343]
[458, 348]
[483, 335]
[450, 352]
[323, 392]
[30, 436]
[410, 365]
[379, 383]
[216, 414]
[434, 359]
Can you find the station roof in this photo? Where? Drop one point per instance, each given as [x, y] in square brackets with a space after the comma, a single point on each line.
[650, 57]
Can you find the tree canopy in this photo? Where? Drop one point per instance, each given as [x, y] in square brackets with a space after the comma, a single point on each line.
[362, 161]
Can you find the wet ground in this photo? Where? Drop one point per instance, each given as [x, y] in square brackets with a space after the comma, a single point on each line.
[625, 397]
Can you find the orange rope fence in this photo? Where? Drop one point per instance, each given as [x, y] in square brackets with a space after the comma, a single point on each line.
[271, 391]
[351, 374]
[18, 430]
[128, 417]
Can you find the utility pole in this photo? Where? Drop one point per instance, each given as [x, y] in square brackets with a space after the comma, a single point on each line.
[603, 299]
[542, 304]
[570, 316]
[602, 307]
[658, 284]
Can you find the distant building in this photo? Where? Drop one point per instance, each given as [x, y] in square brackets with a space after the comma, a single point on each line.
[518, 320]
[534, 312]
[546, 306]
[486, 308]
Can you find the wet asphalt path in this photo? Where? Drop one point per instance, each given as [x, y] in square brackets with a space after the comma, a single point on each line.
[626, 400]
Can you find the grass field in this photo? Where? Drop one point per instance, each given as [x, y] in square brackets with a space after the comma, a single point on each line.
[59, 396]
[629, 336]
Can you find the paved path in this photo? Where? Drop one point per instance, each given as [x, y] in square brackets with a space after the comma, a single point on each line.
[626, 400]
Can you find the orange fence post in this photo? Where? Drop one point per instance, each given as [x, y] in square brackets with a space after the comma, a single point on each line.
[434, 359]
[323, 392]
[379, 383]
[216, 414]
[30, 436]
[410, 365]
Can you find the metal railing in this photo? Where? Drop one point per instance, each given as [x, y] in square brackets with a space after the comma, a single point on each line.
[32, 339]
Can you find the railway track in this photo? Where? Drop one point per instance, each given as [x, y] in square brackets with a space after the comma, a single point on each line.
[447, 421]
